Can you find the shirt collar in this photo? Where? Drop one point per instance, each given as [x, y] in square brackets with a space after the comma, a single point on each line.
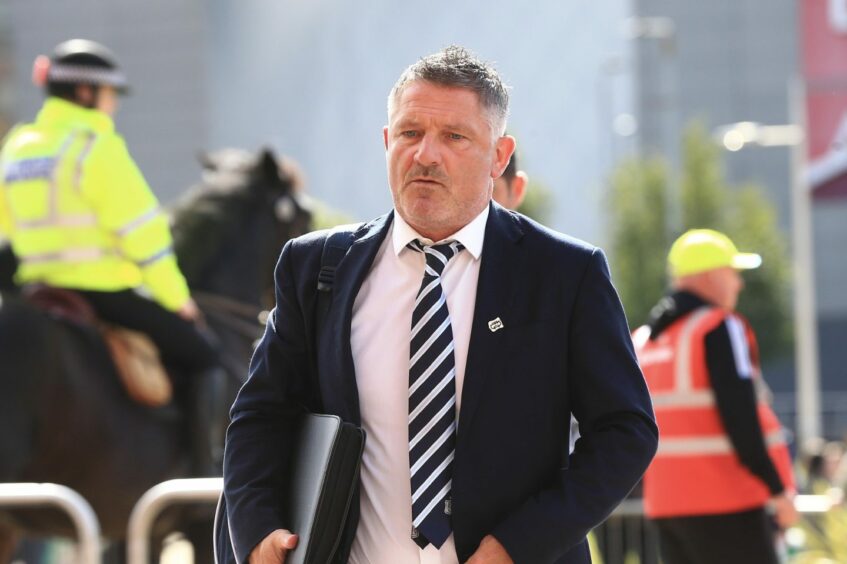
[470, 236]
[59, 111]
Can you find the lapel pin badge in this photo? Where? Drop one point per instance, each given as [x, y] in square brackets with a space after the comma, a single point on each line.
[495, 324]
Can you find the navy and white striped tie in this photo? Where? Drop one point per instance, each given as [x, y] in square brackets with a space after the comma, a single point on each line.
[432, 401]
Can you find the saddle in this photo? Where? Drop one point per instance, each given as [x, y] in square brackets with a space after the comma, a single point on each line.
[134, 355]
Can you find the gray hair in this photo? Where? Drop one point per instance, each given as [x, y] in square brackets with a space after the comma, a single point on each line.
[457, 67]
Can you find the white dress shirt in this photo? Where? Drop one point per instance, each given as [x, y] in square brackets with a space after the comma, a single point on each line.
[382, 320]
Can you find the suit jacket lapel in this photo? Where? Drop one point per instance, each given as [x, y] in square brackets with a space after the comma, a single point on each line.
[337, 371]
[493, 296]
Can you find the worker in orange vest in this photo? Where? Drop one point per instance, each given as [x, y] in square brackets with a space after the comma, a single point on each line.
[722, 474]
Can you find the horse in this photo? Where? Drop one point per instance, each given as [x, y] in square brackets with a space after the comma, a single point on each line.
[64, 415]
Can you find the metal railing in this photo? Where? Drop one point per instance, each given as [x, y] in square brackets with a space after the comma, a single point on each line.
[156, 499]
[625, 537]
[628, 537]
[81, 514]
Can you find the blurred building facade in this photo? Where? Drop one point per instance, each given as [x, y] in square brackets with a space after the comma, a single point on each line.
[731, 61]
[823, 31]
[718, 62]
[7, 84]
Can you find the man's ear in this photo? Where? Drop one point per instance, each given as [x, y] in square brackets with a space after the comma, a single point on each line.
[519, 184]
[504, 147]
[385, 136]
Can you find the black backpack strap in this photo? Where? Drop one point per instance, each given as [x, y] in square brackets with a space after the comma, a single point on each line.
[336, 245]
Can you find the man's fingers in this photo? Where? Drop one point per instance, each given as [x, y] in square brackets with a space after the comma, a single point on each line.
[283, 541]
[274, 547]
[289, 540]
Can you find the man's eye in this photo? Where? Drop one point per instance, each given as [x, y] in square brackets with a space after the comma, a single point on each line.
[456, 136]
[409, 134]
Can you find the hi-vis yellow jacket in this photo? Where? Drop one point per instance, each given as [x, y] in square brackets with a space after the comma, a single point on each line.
[78, 212]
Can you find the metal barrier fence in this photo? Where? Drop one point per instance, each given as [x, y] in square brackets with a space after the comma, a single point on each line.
[628, 538]
[66, 499]
[625, 538]
[158, 498]
[833, 410]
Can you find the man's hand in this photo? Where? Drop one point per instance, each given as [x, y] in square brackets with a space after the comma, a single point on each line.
[273, 548]
[490, 551]
[784, 511]
[189, 311]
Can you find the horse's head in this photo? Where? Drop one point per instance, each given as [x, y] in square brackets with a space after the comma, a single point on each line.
[229, 230]
[275, 184]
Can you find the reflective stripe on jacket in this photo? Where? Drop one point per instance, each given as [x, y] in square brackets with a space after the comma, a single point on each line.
[78, 212]
[696, 470]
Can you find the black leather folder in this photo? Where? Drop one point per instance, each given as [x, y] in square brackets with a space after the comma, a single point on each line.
[325, 473]
[328, 455]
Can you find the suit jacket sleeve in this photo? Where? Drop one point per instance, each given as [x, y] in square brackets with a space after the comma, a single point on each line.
[256, 459]
[735, 397]
[619, 436]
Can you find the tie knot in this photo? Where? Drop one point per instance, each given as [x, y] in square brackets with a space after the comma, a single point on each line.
[437, 256]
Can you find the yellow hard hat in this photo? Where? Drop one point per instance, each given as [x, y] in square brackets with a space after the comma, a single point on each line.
[699, 250]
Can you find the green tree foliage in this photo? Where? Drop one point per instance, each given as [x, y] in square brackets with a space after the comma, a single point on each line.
[644, 224]
[704, 195]
[638, 205]
[766, 299]
[326, 217]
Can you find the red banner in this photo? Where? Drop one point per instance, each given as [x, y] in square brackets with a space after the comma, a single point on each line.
[824, 57]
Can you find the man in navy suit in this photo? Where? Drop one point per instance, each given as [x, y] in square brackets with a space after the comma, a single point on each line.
[461, 336]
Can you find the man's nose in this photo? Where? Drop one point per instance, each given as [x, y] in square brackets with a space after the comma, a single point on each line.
[429, 151]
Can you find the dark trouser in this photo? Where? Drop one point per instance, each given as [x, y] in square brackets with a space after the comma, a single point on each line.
[180, 342]
[8, 266]
[746, 537]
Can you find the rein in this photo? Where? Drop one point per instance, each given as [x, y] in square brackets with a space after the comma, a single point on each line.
[243, 319]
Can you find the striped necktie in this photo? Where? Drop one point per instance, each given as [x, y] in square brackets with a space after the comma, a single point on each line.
[432, 401]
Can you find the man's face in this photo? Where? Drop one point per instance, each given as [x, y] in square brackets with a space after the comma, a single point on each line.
[726, 284]
[107, 100]
[442, 157]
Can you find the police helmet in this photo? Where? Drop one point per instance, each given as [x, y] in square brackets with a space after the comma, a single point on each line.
[81, 61]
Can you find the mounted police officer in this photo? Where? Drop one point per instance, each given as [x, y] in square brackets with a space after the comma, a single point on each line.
[80, 215]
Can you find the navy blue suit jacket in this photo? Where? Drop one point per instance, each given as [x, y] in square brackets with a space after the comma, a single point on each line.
[564, 347]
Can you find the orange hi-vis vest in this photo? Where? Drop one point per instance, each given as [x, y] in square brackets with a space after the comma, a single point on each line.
[696, 471]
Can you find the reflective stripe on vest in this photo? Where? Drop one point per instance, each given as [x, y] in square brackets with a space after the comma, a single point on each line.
[695, 445]
[676, 400]
[53, 195]
[138, 222]
[80, 160]
[167, 251]
[684, 379]
[70, 221]
[68, 255]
